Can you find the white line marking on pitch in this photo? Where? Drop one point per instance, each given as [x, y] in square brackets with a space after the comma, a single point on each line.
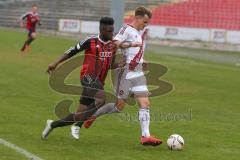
[19, 150]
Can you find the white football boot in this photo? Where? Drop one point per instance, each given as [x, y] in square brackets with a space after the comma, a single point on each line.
[47, 129]
[75, 131]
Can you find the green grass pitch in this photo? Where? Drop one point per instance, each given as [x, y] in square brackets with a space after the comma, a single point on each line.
[210, 90]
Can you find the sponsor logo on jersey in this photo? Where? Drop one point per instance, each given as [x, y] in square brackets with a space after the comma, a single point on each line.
[104, 55]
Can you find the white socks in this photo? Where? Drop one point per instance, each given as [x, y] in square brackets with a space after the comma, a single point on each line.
[143, 115]
[144, 118]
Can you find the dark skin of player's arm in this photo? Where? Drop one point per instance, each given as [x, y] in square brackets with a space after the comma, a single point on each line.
[106, 33]
[127, 45]
[53, 66]
[88, 111]
[122, 45]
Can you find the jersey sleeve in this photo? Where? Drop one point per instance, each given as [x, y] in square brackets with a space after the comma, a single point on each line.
[24, 16]
[39, 20]
[83, 45]
[122, 34]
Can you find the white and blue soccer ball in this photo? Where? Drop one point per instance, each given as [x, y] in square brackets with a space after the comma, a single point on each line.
[175, 142]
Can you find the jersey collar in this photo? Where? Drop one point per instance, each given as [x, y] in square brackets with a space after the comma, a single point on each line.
[132, 27]
[31, 12]
[103, 41]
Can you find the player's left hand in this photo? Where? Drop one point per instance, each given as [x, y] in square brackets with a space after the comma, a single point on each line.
[145, 65]
[122, 63]
[135, 44]
[51, 68]
[21, 24]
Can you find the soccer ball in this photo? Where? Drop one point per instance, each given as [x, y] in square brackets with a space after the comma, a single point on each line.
[175, 142]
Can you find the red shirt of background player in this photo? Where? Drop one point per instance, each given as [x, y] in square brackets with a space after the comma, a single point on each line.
[31, 20]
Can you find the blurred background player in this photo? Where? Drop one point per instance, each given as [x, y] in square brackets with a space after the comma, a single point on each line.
[32, 19]
[99, 58]
[131, 38]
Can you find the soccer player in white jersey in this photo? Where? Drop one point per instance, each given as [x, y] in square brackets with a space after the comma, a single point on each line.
[131, 38]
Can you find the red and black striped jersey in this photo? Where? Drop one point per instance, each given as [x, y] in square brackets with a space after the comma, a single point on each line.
[98, 56]
[31, 20]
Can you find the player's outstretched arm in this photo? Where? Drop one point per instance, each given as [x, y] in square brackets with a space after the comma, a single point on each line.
[21, 24]
[130, 44]
[20, 20]
[39, 23]
[127, 44]
[83, 45]
[145, 65]
[53, 66]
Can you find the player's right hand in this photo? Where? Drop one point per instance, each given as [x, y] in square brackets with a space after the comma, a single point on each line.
[127, 44]
[135, 44]
[51, 68]
[21, 24]
[122, 63]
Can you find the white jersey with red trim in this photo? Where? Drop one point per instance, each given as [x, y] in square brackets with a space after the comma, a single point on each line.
[133, 55]
[129, 34]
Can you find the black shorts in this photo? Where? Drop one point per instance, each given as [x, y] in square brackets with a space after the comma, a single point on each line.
[91, 86]
[30, 31]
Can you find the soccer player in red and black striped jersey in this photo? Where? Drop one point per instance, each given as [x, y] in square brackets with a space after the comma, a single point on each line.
[99, 58]
[32, 19]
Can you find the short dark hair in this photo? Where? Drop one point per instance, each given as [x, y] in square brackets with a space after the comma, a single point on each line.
[106, 21]
[142, 11]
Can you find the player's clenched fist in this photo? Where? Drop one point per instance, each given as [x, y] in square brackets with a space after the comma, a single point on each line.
[51, 68]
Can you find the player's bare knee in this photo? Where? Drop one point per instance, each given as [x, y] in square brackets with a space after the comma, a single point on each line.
[33, 35]
[120, 105]
[144, 103]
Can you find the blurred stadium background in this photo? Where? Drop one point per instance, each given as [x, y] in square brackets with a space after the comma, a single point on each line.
[197, 40]
[216, 21]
